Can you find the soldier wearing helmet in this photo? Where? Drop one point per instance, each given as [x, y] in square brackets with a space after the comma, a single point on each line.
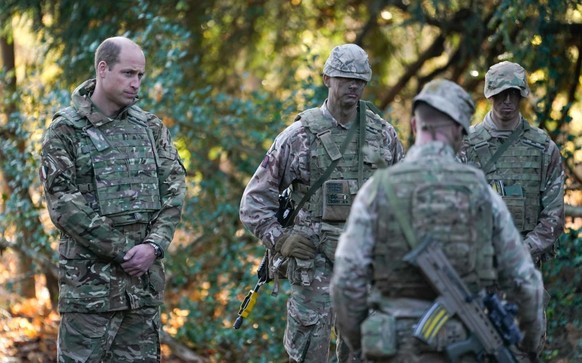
[378, 298]
[520, 161]
[324, 156]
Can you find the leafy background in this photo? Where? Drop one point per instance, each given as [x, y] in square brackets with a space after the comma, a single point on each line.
[226, 76]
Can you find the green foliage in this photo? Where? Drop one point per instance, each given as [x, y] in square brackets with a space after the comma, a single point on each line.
[564, 284]
[260, 336]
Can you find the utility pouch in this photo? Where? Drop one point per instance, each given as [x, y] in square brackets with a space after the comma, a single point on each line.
[300, 272]
[379, 337]
[277, 265]
[516, 206]
[337, 199]
[329, 239]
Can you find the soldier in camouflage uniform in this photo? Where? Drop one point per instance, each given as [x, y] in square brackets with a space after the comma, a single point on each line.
[451, 202]
[527, 170]
[114, 187]
[298, 158]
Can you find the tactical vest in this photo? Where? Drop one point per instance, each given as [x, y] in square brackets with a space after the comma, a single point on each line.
[344, 182]
[518, 174]
[447, 202]
[117, 166]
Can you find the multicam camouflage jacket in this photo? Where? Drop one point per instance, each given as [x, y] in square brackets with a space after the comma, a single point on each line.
[109, 184]
[529, 176]
[365, 243]
[288, 162]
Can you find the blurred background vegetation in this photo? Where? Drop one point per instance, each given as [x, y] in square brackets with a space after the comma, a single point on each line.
[226, 76]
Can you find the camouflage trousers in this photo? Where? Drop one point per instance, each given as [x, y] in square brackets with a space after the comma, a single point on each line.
[116, 337]
[310, 319]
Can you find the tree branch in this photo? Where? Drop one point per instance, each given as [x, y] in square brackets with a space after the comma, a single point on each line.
[437, 47]
[573, 211]
[180, 350]
[37, 256]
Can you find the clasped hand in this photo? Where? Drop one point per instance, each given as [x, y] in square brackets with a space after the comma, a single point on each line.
[138, 259]
[295, 245]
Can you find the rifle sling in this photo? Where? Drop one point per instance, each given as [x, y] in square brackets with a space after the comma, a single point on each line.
[510, 140]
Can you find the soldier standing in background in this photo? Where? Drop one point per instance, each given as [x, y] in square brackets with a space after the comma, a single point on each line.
[355, 141]
[520, 161]
[449, 202]
[114, 186]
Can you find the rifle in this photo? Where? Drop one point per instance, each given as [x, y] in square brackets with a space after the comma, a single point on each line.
[284, 213]
[249, 301]
[490, 335]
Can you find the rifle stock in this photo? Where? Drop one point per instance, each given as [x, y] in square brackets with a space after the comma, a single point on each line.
[455, 298]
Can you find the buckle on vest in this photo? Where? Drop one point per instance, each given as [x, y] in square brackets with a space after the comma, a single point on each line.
[305, 281]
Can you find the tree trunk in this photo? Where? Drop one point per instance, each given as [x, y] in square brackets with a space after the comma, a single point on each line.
[25, 284]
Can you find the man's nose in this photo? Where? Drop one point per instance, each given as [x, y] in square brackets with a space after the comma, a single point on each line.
[135, 82]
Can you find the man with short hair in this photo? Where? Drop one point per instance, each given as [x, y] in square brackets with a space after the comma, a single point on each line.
[520, 161]
[325, 156]
[378, 296]
[114, 186]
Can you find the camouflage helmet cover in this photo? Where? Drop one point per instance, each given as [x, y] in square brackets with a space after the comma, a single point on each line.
[348, 61]
[505, 75]
[450, 99]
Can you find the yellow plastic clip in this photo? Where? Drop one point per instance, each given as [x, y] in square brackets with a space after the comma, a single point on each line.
[248, 303]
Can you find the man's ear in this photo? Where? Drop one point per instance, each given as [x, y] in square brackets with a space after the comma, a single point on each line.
[413, 125]
[101, 68]
[326, 79]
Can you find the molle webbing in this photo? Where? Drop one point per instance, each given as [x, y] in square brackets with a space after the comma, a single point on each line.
[443, 201]
[520, 168]
[326, 140]
[124, 160]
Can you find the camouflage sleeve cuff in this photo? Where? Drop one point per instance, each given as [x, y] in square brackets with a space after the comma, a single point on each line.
[119, 258]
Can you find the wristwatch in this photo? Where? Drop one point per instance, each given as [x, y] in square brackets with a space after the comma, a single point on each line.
[157, 249]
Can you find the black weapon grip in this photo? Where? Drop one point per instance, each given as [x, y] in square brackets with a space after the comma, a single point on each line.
[238, 322]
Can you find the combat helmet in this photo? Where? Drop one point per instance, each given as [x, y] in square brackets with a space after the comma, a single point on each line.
[348, 61]
[450, 99]
[505, 75]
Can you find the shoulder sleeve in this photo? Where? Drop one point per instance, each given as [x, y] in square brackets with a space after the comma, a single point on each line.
[171, 174]
[286, 161]
[391, 142]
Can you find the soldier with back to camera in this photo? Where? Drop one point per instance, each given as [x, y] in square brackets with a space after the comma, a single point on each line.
[379, 296]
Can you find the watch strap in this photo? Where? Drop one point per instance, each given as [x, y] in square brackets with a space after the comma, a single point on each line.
[157, 249]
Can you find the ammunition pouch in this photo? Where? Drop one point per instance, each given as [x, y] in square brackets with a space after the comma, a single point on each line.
[379, 336]
[277, 265]
[300, 272]
[514, 198]
[329, 238]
